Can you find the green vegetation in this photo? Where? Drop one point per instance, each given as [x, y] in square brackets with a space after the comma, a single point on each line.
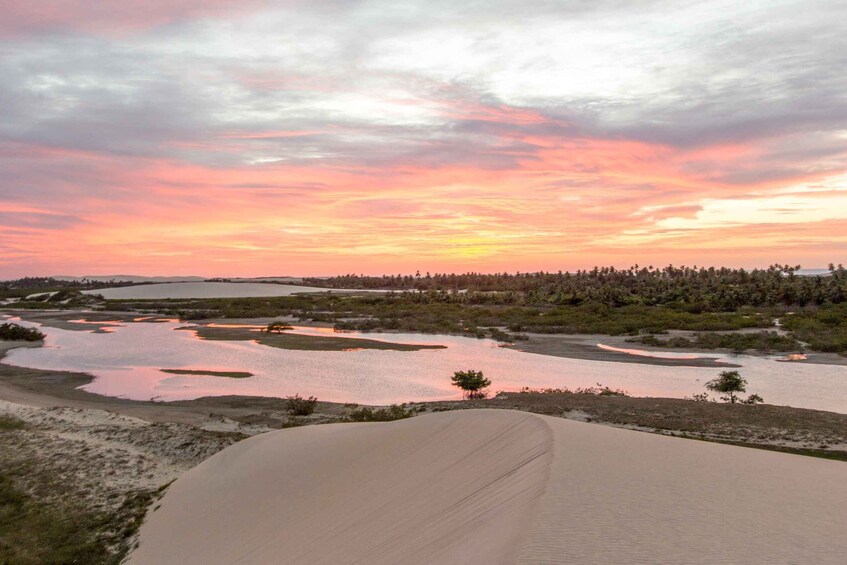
[393, 412]
[278, 327]
[690, 289]
[14, 332]
[299, 406]
[472, 383]
[738, 342]
[598, 390]
[442, 313]
[823, 329]
[33, 532]
[400, 313]
[730, 383]
[634, 301]
[227, 374]
[9, 422]
[21, 288]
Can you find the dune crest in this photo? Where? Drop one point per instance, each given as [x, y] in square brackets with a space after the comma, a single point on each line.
[425, 490]
[496, 486]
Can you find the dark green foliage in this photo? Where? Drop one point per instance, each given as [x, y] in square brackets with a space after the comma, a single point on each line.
[693, 290]
[393, 412]
[760, 341]
[824, 328]
[278, 327]
[8, 423]
[603, 300]
[500, 335]
[730, 383]
[598, 390]
[299, 406]
[33, 533]
[26, 286]
[472, 383]
[14, 332]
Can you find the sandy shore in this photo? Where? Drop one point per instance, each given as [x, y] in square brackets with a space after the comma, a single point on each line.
[496, 487]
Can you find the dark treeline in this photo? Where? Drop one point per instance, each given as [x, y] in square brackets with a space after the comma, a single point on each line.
[689, 288]
[30, 285]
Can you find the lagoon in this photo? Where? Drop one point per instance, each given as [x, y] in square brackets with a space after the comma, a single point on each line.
[127, 361]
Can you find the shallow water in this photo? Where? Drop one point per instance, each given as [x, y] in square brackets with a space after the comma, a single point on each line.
[127, 361]
[163, 291]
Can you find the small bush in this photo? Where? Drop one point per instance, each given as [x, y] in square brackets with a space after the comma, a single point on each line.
[299, 406]
[472, 383]
[393, 412]
[8, 422]
[601, 390]
[598, 390]
[14, 332]
[528, 390]
[278, 327]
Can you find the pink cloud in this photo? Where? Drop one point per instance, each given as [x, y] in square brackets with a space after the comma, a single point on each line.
[27, 17]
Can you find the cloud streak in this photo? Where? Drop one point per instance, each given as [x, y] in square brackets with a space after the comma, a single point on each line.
[333, 136]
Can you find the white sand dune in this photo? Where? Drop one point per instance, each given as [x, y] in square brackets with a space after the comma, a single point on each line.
[496, 486]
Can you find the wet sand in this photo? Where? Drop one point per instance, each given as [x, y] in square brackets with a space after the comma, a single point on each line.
[585, 347]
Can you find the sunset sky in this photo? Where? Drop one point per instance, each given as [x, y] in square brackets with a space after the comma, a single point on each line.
[317, 137]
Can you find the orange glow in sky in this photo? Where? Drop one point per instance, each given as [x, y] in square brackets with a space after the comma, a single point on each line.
[195, 138]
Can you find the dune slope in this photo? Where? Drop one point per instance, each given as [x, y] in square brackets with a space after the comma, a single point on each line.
[426, 490]
[496, 486]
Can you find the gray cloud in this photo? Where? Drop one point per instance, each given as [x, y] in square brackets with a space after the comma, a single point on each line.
[179, 88]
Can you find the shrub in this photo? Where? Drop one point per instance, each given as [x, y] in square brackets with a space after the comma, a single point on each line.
[730, 383]
[299, 406]
[471, 383]
[9, 422]
[14, 332]
[393, 412]
[278, 327]
[598, 390]
[601, 390]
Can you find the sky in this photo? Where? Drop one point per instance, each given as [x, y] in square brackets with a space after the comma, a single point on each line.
[317, 137]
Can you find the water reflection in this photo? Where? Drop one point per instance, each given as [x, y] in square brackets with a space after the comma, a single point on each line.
[128, 360]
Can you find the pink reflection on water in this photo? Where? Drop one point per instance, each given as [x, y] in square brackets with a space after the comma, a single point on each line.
[644, 353]
[103, 326]
[794, 357]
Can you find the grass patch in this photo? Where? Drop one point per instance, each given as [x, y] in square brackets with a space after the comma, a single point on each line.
[393, 412]
[8, 422]
[32, 532]
[227, 374]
